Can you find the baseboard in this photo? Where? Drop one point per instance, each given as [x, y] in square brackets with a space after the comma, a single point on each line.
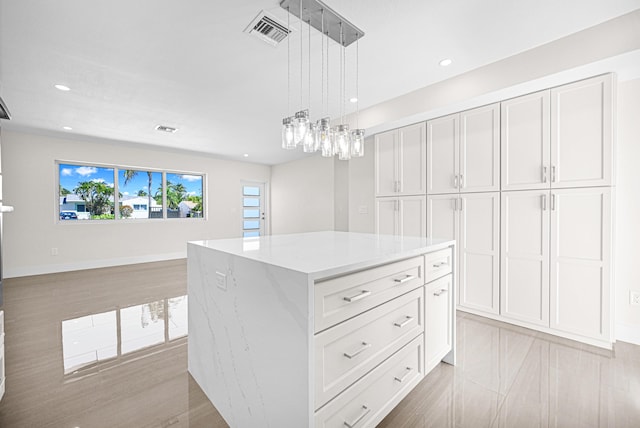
[628, 333]
[90, 264]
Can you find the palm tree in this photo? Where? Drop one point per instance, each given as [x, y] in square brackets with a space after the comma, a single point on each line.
[96, 194]
[128, 176]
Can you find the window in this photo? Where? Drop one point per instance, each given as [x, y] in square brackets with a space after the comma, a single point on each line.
[91, 192]
[136, 188]
[252, 210]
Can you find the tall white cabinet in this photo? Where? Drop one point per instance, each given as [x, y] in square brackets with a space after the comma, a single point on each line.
[557, 169]
[400, 164]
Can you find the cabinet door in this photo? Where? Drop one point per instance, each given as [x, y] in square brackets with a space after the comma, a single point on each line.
[479, 251]
[413, 216]
[442, 154]
[387, 216]
[386, 163]
[525, 139]
[438, 323]
[480, 149]
[412, 166]
[581, 133]
[442, 216]
[524, 267]
[580, 262]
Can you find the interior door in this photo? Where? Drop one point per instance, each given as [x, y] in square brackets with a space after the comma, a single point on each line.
[525, 139]
[480, 149]
[479, 251]
[442, 154]
[580, 261]
[524, 267]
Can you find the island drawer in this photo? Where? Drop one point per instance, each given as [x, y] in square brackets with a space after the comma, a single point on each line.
[346, 296]
[346, 352]
[438, 264]
[367, 402]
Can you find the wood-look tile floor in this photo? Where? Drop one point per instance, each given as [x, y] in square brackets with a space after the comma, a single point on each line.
[506, 376]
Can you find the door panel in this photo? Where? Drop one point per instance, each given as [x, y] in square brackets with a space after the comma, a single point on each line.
[442, 216]
[413, 159]
[442, 154]
[387, 216]
[479, 251]
[524, 268]
[525, 140]
[413, 211]
[386, 163]
[581, 133]
[580, 261]
[480, 149]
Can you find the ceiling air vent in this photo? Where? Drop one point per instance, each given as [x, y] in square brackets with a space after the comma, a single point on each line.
[267, 28]
[168, 129]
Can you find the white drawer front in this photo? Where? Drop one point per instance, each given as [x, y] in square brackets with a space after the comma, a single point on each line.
[370, 399]
[344, 297]
[438, 264]
[348, 351]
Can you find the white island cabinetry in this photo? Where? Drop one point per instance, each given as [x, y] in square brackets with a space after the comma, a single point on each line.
[323, 329]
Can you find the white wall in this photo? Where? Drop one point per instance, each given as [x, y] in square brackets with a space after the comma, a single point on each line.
[341, 194]
[302, 195]
[29, 170]
[627, 237]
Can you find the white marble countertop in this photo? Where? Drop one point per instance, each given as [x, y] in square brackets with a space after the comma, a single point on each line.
[324, 254]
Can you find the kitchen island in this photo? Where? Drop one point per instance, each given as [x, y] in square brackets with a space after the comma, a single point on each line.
[317, 329]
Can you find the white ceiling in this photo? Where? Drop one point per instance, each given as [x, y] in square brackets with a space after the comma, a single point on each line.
[133, 65]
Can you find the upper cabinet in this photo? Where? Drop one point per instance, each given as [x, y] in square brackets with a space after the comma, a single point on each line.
[463, 152]
[525, 142]
[400, 161]
[582, 133]
[559, 138]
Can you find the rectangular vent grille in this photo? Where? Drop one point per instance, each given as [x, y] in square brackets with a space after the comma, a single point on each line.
[268, 29]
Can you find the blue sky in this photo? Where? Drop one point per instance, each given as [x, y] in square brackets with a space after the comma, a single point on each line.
[71, 175]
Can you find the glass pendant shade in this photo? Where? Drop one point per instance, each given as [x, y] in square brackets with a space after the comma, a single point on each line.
[287, 134]
[324, 134]
[357, 143]
[300, 126]
[343, 142]
[309, 142]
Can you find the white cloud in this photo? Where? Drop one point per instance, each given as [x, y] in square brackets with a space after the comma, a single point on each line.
[191, 177]
[86, 170]
[98, 180]
[66, 172]
[125, 193]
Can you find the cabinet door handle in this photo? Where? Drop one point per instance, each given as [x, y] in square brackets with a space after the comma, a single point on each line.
[544, 174]
[359, 351]
[437, 265]
[404, 322]
[461, 181]
[405, 279]
[455, 181]
[553, 202]
[404, 376]
[553, 173]
[461, 204]
[440, 292]
[365, 411]
[544, 202]
[359, 296]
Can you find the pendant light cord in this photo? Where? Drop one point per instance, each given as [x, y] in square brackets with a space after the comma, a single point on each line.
[357, 81]
[288, 62]
[301, 81]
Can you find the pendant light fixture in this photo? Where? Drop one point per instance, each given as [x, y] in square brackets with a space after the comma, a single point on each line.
[299, 129]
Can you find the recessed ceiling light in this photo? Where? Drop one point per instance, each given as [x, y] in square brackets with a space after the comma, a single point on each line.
[246, 155]
[446, 62]
[67, 128]
[168, 129]
[353, 100]
[62, 87]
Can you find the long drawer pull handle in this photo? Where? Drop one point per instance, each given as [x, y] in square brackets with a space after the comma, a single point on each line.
[365, 412]
[406, 321]
[402, 378]
[405, 279]
[361, 295]
[363, 348]
[439, 292]
[437, 265]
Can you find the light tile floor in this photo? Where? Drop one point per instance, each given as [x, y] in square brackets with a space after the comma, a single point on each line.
[506, 376]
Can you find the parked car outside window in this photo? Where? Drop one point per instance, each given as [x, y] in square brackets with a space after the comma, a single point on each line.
[68, 215]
